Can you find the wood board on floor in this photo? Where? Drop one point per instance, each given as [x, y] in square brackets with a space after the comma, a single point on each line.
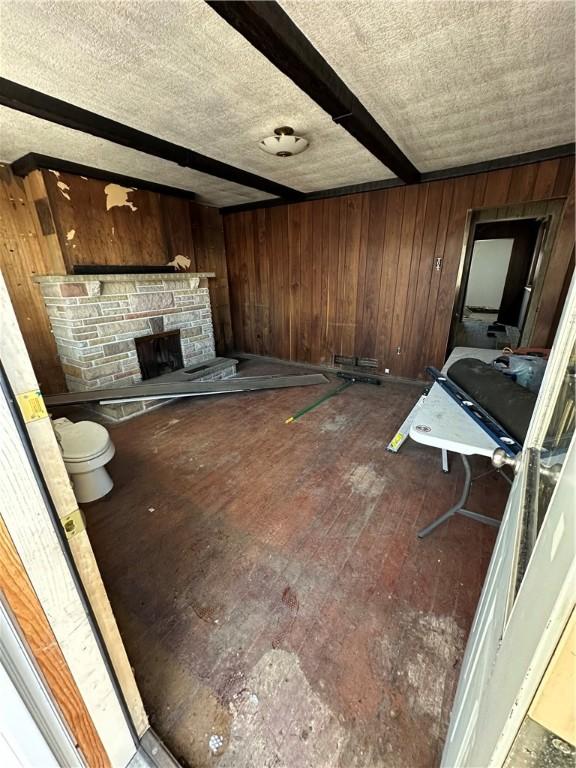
[173, 389]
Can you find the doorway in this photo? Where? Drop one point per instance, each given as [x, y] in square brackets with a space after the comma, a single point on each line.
[497, 283]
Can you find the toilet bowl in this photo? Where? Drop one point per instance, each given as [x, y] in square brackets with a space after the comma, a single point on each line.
[86, 449]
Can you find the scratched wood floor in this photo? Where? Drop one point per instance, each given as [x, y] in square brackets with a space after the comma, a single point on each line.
[269, 585]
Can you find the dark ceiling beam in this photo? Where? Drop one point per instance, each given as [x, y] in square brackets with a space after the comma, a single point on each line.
[271, 31]
[511, 161]
[23, 99]
[35, 162]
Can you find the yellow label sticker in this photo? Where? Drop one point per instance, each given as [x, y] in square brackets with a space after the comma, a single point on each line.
[32, 406]
[396, 439]
[73, 523]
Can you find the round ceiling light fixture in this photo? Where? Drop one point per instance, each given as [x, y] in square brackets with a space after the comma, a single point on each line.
[284, 143]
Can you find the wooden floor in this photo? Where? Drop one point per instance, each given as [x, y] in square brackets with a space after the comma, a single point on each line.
[473, 331]
[269, 585]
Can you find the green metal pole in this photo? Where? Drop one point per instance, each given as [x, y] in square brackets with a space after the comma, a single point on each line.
[318, 402]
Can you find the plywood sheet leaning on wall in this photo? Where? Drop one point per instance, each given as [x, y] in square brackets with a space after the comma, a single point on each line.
[373, 274]
[30, 526]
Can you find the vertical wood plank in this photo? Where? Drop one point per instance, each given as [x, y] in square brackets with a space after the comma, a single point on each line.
[394, 216]
[564, 177]
[426, 349]
[361, 285]
[316, 279]
[46, 229]
[497, 188]
[349, 273]
[232, 244]
[522, 184]
[406, 360]
[403, 277]
[208, 249]
[480, 184]
[24, 253]
[326, 342]
[294, 227]
[374, 264]
[558, 266]
[463, 196]
[249, 277]
[334, 223]
[545, 179]
[280, 243]
[424, 278]
[307, 258]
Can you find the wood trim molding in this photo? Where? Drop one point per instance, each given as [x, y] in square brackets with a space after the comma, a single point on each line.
[556, 269]
[499, 163]
[45, 107]
[271, 31]
[40, 639]
[46, 234]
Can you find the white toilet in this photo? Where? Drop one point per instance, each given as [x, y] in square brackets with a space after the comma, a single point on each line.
[86, 449]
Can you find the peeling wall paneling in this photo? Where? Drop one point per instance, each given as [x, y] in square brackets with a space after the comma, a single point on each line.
[112, 224]
[115, 225]
[358, 275]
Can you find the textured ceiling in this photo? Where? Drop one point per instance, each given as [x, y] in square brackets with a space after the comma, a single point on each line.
[180, 72]
[20, 134]
[453, 82]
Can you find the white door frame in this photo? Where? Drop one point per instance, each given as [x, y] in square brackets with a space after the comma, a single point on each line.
[513, 636]
[32, 730]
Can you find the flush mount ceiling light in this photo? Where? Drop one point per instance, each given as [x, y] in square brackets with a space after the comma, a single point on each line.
[284, 143]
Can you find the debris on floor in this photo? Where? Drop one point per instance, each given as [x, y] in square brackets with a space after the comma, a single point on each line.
[215, 743]
[277, 732]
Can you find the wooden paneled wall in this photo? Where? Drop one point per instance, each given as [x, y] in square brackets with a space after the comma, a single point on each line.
[24, 252]
[359, 275]
[50, 222]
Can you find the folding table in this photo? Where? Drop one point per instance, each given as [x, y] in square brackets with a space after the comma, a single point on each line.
[440, 422]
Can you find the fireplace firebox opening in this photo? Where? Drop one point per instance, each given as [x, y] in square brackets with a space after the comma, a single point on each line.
[159, 353]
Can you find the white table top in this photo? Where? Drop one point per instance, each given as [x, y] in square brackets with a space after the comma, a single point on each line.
[442, 423]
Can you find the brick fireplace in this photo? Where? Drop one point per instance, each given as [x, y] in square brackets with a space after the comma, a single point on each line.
[96, 320]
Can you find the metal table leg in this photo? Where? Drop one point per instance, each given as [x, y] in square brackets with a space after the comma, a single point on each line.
[445, 464]
[458, 508]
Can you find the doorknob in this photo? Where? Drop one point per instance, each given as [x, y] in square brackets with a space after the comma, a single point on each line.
[501, 459]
